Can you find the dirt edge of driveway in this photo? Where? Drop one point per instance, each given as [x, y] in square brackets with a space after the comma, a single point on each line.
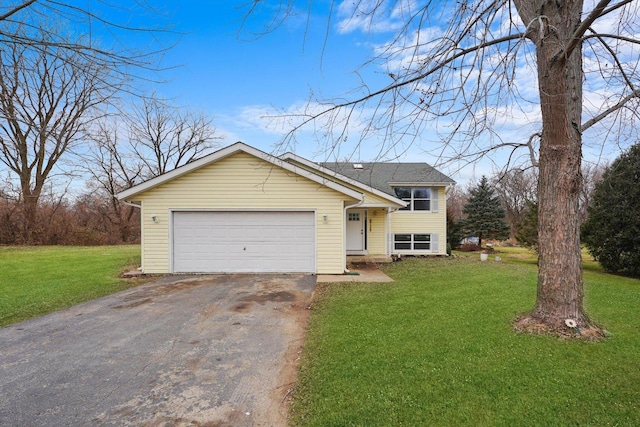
[288, 376]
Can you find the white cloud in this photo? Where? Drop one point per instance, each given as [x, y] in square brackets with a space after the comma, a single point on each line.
[513, 113]
[373, 16]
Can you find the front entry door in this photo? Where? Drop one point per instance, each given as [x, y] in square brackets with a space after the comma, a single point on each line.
[356, 222]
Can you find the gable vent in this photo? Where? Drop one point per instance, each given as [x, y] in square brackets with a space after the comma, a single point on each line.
[357, 166]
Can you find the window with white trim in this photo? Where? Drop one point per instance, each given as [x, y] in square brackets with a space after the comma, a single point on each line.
[412, 242]
[417, 198]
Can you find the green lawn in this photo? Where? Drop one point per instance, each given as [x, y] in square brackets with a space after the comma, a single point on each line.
[39, 280]
[437, 348]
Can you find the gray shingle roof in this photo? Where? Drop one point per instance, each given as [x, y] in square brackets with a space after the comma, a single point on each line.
[380, 175]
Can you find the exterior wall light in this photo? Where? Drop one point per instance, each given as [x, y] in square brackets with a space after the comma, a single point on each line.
[154, 218]
[325, 218]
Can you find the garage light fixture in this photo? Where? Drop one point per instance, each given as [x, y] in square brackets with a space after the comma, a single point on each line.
[154, 218]
[325, 218]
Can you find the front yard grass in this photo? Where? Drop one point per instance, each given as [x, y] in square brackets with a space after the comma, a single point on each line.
[437, 348]
[38, 280]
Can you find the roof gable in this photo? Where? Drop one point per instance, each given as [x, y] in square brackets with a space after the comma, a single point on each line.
[346, 179]
[226, 152]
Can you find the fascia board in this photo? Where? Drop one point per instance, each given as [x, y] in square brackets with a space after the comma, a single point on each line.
[322, 169]
[374, 205]
[225, 152]
[422, 184]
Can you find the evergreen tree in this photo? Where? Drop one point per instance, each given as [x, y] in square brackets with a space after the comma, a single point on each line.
[612, 231]
[485, 214]
[455, 233]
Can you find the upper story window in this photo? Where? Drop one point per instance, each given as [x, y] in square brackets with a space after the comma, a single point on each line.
[417, 198]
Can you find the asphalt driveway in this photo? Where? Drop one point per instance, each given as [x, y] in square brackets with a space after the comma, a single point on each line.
[181, 351]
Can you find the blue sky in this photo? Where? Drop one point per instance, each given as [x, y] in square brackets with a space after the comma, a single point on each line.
[239, 78]
[236, 76]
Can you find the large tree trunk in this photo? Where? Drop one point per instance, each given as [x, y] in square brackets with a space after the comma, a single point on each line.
[30, 199]
[560, 265]
[560, 285]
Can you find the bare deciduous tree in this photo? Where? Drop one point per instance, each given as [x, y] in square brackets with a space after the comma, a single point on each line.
[456, 199]
[454, 68]
[516, 188]
[113, 55]
[164, 137]
[47, 98]
[112, 169]
[157, 138]
[591, 176]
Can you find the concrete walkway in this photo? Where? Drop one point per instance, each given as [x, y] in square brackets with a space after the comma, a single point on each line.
[367, 273]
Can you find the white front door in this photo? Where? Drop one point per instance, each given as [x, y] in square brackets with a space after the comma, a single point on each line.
[356, 223]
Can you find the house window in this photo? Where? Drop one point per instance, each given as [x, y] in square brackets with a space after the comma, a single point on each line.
[412, 242]
[354, 216]
[417, 198]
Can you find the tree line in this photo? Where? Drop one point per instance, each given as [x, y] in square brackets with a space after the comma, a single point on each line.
[63, 190]
[504, 206]
[75, 130]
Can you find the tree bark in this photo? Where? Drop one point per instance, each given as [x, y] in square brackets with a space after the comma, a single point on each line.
[560, 284]
[28, 229]
[560, 265]
[31, 185]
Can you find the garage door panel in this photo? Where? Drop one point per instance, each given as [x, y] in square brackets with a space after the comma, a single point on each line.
[273, 233]
[227, 242]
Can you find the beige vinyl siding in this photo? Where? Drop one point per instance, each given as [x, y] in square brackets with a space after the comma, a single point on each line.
[376, 233]
[369, 198]
[421, 222]
[242, 182]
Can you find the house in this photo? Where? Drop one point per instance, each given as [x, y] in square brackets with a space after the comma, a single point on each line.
[243, 210]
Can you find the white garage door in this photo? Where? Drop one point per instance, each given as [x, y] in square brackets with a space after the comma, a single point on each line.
[243, 242]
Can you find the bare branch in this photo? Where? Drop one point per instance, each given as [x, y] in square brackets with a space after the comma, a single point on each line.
[611, 36]
[165, 137]
[620, 104]
[16, 9]
[616, 6]
[400, 84]
[29, 25]
[576, 39]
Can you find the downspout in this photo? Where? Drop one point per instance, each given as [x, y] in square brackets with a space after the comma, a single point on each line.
[344, 232]
[446, 221]
[389, 239]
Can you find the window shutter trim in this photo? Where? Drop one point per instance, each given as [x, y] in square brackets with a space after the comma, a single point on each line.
[434, 243]
[435, 191]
